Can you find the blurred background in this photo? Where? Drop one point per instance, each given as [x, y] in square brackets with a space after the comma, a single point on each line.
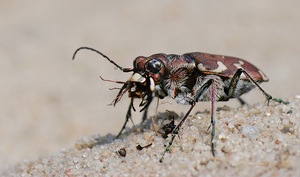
[48, 101]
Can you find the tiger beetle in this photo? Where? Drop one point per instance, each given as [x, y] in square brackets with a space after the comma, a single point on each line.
[188, 79]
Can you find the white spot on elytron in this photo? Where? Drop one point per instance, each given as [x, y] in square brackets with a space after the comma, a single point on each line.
[221, 67]
[264, 77]
[239, 65]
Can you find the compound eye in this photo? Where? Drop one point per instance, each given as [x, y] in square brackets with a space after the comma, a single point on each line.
[154, 65]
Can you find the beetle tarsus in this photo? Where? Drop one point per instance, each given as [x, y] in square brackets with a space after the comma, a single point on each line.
[278, 100]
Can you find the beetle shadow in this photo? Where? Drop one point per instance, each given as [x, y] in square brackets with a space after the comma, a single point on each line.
[94, 140]
[164, 122]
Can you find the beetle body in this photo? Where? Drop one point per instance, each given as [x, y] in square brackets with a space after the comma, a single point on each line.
[181, 76]
[187, 78]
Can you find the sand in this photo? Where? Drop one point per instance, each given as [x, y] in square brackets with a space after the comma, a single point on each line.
[256, 140]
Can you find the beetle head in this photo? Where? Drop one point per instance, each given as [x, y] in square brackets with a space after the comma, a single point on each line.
[147, 72]
[153, 67]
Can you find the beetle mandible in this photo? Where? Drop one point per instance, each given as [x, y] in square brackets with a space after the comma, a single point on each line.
[187, 78]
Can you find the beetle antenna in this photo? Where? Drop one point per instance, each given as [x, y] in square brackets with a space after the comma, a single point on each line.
[111, 61]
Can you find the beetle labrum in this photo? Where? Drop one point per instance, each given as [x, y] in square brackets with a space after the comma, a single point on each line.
[187, 78]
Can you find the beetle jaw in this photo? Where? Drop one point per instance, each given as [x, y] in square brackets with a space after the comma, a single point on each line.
[136, 77]
[139, 85]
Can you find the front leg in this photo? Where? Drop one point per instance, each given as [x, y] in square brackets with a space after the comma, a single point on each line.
[128, 116]
[145, 109]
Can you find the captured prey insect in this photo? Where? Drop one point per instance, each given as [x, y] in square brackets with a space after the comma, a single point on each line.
[187, 78]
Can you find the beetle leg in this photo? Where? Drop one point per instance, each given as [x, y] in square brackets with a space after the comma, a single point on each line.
[128, 116]
[235, 80]
[193, 103]
[210, 83]
[176, 129]
[213, 121]
[154, 118]
[145, 109]
[205, 86]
